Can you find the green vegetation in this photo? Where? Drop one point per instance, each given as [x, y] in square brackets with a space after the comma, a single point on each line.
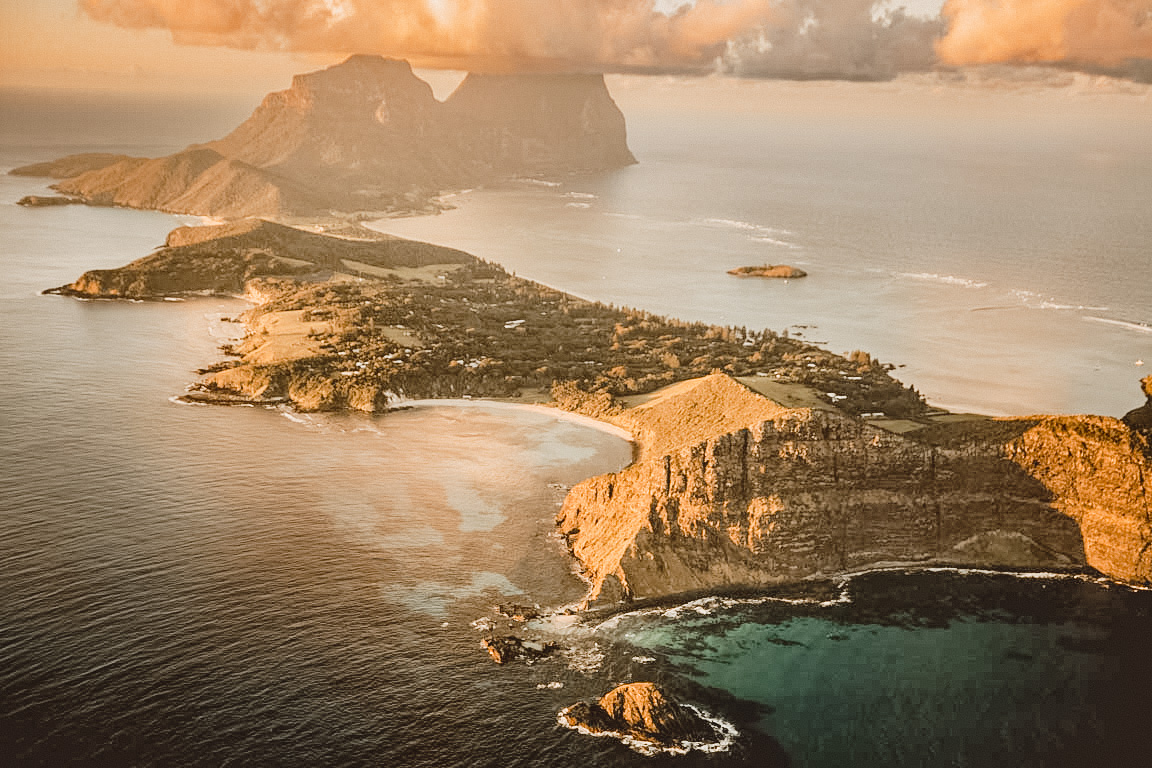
[484, 332]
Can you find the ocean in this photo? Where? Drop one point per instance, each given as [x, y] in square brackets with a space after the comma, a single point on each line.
[207, 586]
[999, 256]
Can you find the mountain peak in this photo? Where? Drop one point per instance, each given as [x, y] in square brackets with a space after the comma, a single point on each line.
[367, 134]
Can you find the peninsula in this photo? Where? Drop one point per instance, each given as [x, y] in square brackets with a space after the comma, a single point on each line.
[754, 463]
[354, 319]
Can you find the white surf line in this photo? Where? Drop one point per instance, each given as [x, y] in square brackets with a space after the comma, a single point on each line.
[705, 606]
[1130, 325]
[556, 413]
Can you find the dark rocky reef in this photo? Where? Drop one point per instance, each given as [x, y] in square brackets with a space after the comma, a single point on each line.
[45, 201]
[507, 648]
[366, 135]
[642, 712]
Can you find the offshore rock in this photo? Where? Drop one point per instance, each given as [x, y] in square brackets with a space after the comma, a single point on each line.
[44, 201]
[778, 271]
[506, 648]
[366, 135]
[806, 492]
[640, 711]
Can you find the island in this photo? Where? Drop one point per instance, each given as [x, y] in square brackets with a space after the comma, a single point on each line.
[777, 271]
[759, 459]
[364, 139]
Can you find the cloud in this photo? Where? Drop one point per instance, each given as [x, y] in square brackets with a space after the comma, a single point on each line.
[1103, 35]
[797, 39]
[602, 35]
[835, 39]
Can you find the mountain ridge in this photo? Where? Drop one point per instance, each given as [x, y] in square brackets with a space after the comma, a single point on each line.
[366, 136]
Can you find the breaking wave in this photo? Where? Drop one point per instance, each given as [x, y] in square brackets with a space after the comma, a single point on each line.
[945, 279]
[1130, 325]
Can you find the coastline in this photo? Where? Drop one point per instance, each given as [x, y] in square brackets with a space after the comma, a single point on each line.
[590, 422]
[751, 424]
[619, 668]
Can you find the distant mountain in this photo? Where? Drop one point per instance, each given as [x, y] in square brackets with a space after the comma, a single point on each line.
[540, 124]
[367, 135]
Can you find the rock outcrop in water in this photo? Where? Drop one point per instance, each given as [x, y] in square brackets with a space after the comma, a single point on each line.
[776, 271]
[366, 135]
[639, 711]
[797, 492]
[45, 201]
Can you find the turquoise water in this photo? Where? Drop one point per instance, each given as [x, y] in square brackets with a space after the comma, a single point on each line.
[987, 685]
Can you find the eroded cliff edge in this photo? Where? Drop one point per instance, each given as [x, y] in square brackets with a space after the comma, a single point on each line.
[796, 492]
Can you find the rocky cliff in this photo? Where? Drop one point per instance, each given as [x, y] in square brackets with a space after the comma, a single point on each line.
[540, 124]
[366, 135]
[1140, 418]
[802, 492]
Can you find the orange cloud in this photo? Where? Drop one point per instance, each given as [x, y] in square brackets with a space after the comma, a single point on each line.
[618, 35]
[1101, 33]
[858, 39]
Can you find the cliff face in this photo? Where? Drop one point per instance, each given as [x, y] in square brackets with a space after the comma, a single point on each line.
[367, 135]
[1140, 418]
[540, 124]
[809, 492]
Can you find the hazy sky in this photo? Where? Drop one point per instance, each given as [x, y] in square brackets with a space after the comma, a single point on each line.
[255, 45]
